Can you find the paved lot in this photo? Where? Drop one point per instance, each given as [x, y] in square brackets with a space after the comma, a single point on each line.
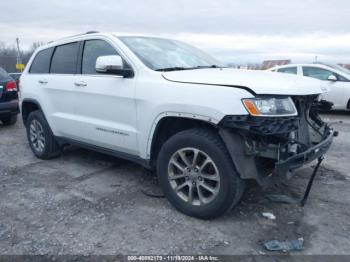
[88, 203]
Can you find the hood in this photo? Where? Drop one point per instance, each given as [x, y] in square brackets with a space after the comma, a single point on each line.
[258, 82]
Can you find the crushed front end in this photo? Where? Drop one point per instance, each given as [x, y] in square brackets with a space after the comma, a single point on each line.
[269, 148]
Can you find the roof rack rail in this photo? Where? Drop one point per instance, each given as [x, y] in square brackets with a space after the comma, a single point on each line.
[89, 32]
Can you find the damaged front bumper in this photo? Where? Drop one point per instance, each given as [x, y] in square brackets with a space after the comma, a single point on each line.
[298, 160]
[269, 149]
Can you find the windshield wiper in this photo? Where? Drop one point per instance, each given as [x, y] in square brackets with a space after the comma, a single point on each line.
[175, 68]
[201, 67]
[178, 68]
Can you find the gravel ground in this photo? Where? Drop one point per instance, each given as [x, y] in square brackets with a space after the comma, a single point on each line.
[88, 203]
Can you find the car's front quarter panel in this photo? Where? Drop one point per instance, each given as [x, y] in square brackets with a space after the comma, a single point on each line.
[157, 98]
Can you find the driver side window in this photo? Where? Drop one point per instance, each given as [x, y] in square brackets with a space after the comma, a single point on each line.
[92, 50]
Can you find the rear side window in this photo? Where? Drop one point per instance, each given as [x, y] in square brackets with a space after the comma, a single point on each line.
[64, 60]
[41, 62]
[288, 70]
[92, 50]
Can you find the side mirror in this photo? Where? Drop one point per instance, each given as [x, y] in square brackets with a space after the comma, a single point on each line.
[112, 64]
[332, 78]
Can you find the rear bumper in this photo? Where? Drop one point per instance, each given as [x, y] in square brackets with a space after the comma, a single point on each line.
[298, 160]
[9, 108]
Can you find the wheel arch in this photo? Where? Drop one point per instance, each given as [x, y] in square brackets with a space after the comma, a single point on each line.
[168, 124]
[29, 105]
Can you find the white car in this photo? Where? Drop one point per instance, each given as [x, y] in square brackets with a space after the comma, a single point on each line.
[205, 129]
[336, 77]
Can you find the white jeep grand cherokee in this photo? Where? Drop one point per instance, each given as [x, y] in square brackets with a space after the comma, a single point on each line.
[204, 128]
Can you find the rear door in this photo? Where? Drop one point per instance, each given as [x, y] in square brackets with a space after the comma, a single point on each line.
[106, 110]
[59, 90]
[50, 81]
[38, 74]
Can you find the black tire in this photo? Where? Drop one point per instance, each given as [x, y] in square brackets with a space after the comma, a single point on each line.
[231, 186]
[51, 148]
[10, 120]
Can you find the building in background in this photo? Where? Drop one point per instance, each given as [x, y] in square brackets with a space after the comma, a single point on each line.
[271, 63]
[249, 66]
[346, 66]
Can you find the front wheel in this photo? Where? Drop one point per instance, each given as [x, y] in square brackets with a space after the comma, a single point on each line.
[197, 175]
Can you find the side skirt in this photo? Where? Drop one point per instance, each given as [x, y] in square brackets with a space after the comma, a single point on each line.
[143, 162]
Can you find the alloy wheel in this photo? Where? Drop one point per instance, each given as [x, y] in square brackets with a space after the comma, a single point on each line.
[37, 137]
[193, 176]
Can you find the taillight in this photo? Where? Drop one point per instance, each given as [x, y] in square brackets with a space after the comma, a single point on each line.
[11, 86]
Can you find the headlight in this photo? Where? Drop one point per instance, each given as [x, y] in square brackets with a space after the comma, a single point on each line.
[270, 106]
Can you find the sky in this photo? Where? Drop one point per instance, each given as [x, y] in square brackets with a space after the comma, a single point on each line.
[234, 31]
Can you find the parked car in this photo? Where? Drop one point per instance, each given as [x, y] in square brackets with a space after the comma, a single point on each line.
[9, 107]
[335, 76]
[16, 76]
[205, 129]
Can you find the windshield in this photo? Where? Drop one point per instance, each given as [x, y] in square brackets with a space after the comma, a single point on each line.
[167, 55]
[338, 67]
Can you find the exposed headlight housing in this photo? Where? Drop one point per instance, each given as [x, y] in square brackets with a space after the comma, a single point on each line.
[270, 106]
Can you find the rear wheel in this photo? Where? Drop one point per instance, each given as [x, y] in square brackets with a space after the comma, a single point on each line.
[10, 120]
[40, 137]
[197, 174]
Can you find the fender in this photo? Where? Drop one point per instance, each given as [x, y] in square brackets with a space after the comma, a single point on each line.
[32, 101]
[162, 115]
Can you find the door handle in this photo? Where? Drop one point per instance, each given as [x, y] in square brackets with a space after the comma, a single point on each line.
[43, 81]
[80, 83]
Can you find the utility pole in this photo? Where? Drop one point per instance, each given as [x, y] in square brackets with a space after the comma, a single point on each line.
[19, 59]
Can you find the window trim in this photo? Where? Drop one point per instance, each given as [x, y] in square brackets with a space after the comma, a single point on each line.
[80, 57]
[78, 70]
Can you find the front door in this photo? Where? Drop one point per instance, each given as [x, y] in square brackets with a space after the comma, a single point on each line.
[105, 105]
